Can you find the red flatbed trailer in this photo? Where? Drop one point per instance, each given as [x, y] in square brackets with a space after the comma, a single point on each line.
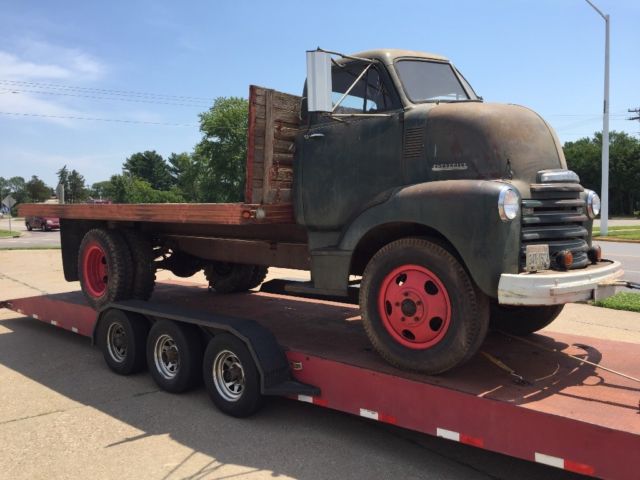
[571, 416]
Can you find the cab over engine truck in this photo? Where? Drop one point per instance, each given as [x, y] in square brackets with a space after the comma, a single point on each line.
[455, 212]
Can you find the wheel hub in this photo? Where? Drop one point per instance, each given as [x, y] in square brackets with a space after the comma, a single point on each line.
[95, 270]
[414, 306]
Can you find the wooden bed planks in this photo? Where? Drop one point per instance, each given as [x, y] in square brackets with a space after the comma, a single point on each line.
[274, 118]
[196, 213]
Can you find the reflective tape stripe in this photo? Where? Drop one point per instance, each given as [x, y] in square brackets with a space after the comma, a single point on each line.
[549, 460]
[313, 400]
[564, 464]
[35, 315]
[448, 434]
[459, 437]
[74, 329]
[381, 417]
[53, 322]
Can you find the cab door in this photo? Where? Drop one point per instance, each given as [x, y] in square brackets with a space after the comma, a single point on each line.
[346, 161]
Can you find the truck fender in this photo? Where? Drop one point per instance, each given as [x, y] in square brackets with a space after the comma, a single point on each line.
[464, 212]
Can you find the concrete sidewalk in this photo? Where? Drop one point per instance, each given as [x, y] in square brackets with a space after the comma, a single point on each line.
[63, 414]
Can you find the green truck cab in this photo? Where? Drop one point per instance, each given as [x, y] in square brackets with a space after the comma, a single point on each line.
[389, 172]
[441, 201]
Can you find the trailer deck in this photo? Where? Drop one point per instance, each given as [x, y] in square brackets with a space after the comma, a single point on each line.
[568, 415]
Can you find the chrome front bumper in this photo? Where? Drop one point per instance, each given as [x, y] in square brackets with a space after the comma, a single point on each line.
[554, 288]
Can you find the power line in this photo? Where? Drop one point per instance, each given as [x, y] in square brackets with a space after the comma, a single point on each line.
[117, 120]
[100, 97]
[127, 93]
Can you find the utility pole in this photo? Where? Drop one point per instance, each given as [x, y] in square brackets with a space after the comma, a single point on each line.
[604, 211]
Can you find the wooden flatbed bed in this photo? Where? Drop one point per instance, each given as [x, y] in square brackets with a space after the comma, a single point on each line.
[570, 415]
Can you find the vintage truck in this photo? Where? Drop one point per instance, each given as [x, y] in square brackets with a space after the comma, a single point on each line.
[454, 212]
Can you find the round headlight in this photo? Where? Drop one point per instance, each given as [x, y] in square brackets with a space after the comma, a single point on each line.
[593, 204]
[508, 204]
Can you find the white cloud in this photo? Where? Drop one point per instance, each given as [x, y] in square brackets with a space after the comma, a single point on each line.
[13, 68]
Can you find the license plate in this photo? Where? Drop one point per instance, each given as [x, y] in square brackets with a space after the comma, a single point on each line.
[537, 258]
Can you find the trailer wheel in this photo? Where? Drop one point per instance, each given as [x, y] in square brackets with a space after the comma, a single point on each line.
[523, 320]
[227, 277]
[144, 269]
[174, 355]
[29, 227]
[122, 337]
[231, 376]
[104, 267]
[419, 307]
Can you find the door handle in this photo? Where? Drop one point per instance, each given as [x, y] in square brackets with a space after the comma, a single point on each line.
[313, 135]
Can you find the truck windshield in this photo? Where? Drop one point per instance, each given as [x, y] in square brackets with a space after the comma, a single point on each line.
[430, 81]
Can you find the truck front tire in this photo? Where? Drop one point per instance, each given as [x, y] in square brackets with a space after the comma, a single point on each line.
[104, 267]
[523, 320]
[420, 309]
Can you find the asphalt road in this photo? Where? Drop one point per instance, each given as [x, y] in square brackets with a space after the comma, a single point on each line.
[33, 239]
[627, 253]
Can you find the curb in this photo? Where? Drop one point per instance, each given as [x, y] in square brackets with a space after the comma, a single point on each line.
[614, 239]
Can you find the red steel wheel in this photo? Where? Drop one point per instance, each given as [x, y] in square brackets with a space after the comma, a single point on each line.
[414, 306]
[105, 268]
[96, 270]
[408, 312]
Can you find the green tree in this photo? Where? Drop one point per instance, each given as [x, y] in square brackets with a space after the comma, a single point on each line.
[584, 157]
[36, 190]
[151, 167]
[101, 190]
[185, 174]
[129, 189]
[220, 155]
[76, 192]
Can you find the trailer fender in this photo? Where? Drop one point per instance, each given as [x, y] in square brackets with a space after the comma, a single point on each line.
[486, 245]
[270, 359]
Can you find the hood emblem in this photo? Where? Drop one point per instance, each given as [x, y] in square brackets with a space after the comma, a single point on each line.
[445, 167]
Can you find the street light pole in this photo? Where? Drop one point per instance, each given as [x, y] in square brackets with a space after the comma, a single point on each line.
[604, 211]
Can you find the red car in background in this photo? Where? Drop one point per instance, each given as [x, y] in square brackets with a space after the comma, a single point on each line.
[43, 223]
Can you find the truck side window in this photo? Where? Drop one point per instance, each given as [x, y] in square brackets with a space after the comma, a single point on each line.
[368, 96]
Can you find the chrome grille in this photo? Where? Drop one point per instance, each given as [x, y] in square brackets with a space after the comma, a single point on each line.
[556, 216]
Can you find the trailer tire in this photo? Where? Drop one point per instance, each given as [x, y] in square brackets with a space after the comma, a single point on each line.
[174, 355]
[144, 270]
[408, 312]
[122, 337]
[522, 321]
[231, 376]
[225, 277]
[104, 267]
[29, 227]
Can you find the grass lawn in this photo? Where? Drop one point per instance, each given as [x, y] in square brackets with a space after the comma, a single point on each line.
[627, 233]
[621, 301]
[6, 233]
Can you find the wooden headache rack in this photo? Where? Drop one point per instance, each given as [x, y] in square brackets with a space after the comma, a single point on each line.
[274, 119]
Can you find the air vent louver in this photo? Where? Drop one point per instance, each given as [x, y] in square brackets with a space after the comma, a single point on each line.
[413, 142]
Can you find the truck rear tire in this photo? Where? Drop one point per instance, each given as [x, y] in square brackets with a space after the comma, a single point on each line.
[174, 355]
[227, 277]
[122, 337]
[523, 320]
[231, 376]
[104, 267]
[408, 308]
[144, 269]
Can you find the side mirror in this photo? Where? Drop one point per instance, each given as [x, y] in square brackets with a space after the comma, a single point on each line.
[319, 81]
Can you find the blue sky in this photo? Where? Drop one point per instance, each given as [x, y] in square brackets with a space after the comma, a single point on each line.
[546, 54]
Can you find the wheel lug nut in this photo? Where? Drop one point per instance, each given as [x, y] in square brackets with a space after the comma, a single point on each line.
[406, 294]
[416, 319]
[397, 304]
[418, 302]
[402, 319]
